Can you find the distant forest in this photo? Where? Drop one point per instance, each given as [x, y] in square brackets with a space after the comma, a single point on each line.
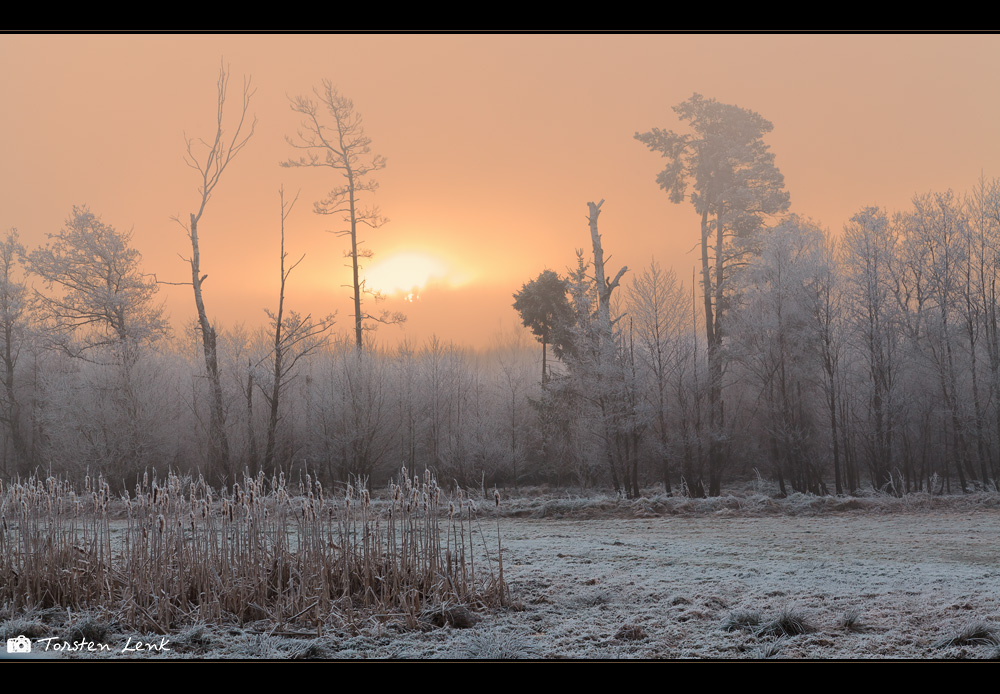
[828, 363]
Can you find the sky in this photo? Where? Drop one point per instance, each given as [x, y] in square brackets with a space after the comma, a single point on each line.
[494, 145]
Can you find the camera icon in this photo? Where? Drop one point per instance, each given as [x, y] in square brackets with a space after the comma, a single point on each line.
[22, 644]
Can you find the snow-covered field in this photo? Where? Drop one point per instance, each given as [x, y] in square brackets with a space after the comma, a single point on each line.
[916, 578]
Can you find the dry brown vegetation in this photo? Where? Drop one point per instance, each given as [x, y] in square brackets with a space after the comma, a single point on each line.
[178, 552]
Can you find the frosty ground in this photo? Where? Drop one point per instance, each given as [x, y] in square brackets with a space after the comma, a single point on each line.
[662, 577]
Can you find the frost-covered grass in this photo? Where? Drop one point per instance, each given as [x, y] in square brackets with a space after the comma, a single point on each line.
[734, 577]
[752, 501]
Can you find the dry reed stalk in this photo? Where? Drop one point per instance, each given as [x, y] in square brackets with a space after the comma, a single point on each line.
[183, 552]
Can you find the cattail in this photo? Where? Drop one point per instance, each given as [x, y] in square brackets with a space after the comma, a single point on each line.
[496, 497]
[161, 523]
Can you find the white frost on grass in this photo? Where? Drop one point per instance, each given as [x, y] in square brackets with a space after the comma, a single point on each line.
[912, 576]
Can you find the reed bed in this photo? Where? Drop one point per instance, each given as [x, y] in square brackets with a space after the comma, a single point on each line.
[177, 551]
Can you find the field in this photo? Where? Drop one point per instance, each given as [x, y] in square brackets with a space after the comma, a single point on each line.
[734, 577]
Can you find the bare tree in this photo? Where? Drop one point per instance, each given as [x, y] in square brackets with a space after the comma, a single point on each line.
[984, 232]
[775, 340]
[13, 317]
[343, 147]
[210, 160]
[655, 300]
[603, 374]
[295, 337]
[869, 251]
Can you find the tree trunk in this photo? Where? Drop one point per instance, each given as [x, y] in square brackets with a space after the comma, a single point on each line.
[218, 444]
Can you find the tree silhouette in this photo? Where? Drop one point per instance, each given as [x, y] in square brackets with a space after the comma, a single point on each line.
[344, 147]
[734, 185]
[546, 312]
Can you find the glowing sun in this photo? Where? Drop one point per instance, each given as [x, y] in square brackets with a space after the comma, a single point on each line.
[407, 273]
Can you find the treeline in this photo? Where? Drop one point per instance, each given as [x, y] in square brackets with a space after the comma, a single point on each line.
[871, 360]
[86, 400]
[828, 363]
[868, 360]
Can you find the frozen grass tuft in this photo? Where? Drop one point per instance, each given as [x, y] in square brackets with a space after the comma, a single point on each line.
[88, 629]
[744, 620]
[631, 632]
[787, 623]
[311, 650]
[264, 647]
[974, 634]
[13, 628]
[494, 644]
[851, 621]
[455, 616]
[769, 650]
[196, 637]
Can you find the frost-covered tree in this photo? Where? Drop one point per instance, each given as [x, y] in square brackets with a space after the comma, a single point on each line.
[734, 186]
[98, 293]
[869, 252]
[342, 145]
[656, 305]
[776, 342]
[14, 311]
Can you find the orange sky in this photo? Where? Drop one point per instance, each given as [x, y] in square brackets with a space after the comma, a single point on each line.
[495, 143]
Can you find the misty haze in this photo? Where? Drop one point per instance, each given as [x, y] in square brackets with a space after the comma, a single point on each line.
[500, 346]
